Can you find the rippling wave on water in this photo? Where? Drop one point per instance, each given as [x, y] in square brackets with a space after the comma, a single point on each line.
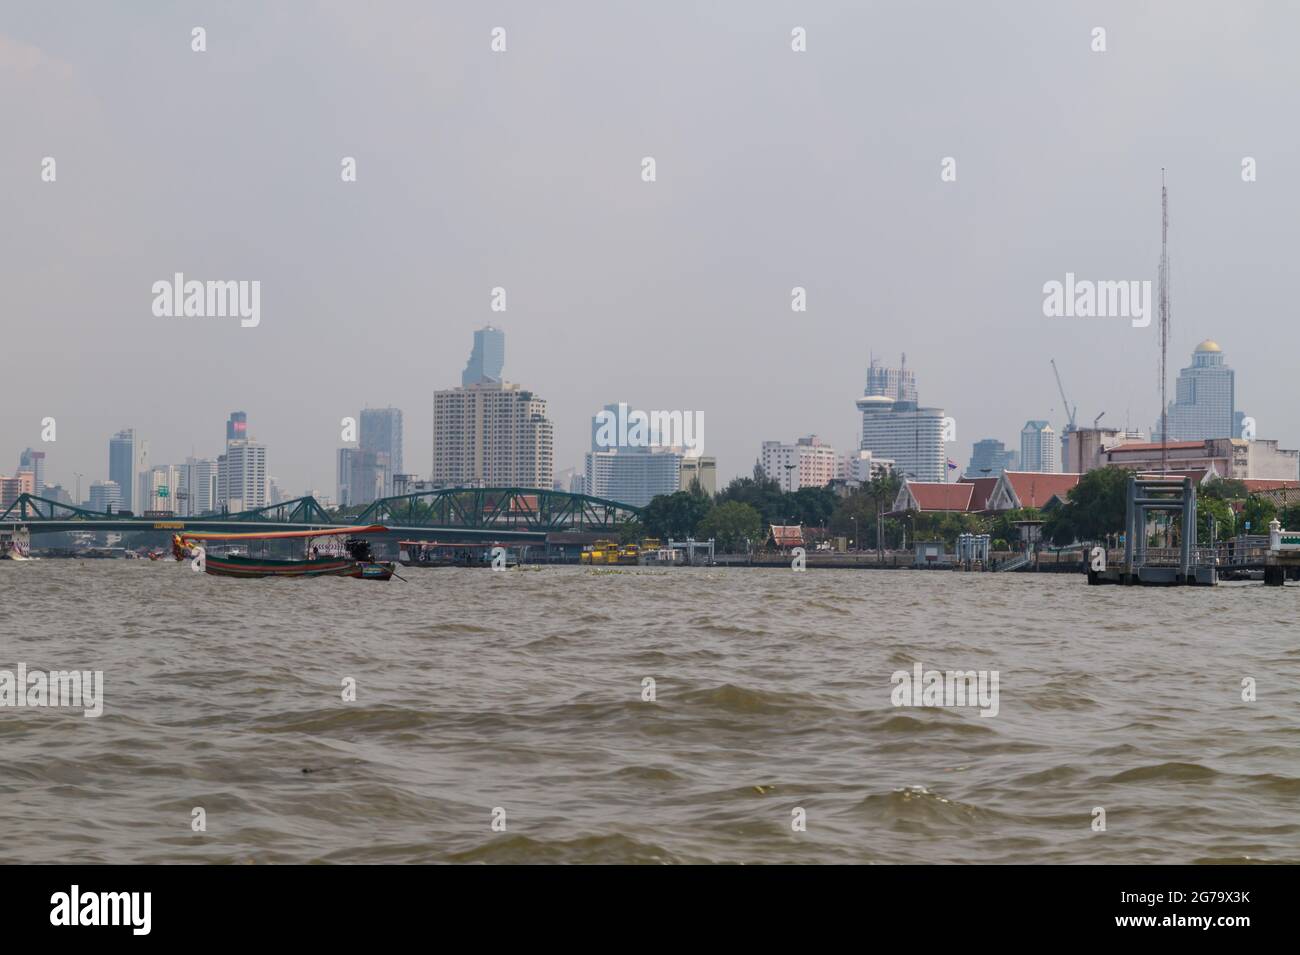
[522, 691]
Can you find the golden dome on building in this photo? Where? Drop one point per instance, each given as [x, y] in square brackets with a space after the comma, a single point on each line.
[1209, 345]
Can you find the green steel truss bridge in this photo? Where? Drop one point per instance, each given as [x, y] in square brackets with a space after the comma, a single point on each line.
[451, 514]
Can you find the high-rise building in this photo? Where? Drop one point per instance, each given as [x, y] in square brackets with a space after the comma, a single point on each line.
[343, 476]
[161, 486]
[861, 467]
[122, 466]
[1204, 404]
[624, 469]
[1039, 448]
[141, 496]
[321, 498]
[241, 476]
[241, 471]
[408, 484]
[632, 476]
[596, 443]
[492, 435]
[907, 434]
[564, 479]
[363, 476]
[809, 462]
[11, 488]
[236, 427]
[897, 383]
[1083, 449]
[381, 434]
[105, 494]
[701, 469]
[989, 458]
[198, 487]
[488, 359]
[374, 474]
[57, 494]
[34, 461]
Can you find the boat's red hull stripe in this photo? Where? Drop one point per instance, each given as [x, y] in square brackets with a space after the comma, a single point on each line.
[252, 568]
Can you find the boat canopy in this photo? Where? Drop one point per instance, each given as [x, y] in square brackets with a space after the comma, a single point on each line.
[461, 545]
[283, 535]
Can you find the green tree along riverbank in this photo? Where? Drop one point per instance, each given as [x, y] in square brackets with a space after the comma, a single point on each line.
[739, 515]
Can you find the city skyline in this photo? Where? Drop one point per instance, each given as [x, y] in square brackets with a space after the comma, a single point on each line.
[134, 443]
[685, 282]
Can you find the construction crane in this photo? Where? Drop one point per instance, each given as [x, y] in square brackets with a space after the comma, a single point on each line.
[1068, 410]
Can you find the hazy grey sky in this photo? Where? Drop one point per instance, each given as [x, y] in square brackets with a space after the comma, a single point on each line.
[775, 169]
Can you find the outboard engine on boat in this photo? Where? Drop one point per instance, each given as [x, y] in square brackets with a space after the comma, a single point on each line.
[359, 549]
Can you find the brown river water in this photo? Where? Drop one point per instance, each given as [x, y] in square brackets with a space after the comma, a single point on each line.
[516, 697]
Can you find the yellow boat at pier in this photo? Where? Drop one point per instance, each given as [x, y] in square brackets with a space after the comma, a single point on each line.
[604, 552]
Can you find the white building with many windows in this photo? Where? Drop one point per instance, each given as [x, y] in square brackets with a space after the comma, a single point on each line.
[632, 475]
[105, 494]
[1040, 449]
[160, 488]
[492, 434]
[861, 466]
[907, 434]
[809, 462]
[198, 487]
[1204, 404]
[897, 383]
[241, 476]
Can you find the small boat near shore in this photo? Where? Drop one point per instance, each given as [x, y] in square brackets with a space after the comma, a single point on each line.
[330, 552]
[16, 544]
[459, 554]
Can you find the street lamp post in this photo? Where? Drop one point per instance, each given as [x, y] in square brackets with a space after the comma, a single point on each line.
[880, 529]
[910, 513]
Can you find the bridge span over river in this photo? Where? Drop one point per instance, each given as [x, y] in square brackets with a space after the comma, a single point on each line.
[526, 515]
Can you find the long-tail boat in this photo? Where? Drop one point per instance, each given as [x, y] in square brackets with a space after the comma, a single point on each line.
[457, 554]
[323, 554]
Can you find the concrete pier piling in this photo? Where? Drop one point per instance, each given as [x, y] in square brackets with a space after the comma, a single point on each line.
[1148, 566]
